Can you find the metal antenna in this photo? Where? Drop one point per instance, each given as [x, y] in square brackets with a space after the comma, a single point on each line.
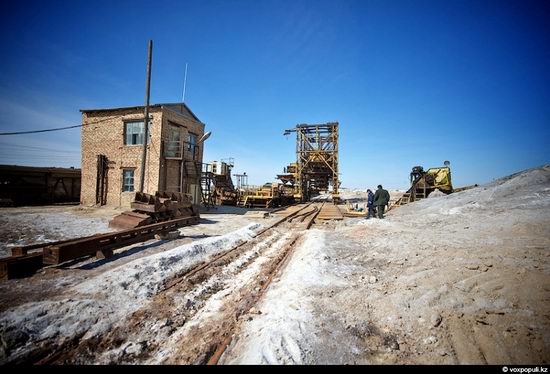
[184, 84]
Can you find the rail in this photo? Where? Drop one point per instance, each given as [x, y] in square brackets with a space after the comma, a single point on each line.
[221, 339]
[287, 251]
[102, 245]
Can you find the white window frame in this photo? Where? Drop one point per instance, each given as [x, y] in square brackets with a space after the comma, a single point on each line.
[132, 186]
[133, 124]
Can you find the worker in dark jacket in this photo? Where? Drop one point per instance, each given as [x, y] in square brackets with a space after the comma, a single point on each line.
[370, 204]
[381, 199]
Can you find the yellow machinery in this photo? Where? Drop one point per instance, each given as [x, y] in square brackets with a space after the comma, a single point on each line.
[270, 195]
[264, 197]
[425, 182]
[289, 181]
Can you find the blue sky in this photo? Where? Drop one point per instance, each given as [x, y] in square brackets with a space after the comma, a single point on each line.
[411, 82]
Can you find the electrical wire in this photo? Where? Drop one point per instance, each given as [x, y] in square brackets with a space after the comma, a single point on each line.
[55, 157]
[58, 128]
[29, 149]
[37, 131]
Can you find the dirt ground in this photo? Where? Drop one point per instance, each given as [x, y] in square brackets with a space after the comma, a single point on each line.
[40, 224]
[29, 225]
[463, 278]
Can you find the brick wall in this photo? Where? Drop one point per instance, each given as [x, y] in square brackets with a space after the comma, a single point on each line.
[169, 176]
[103, 133]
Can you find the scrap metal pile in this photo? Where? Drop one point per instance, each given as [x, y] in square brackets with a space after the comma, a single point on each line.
[224, 190]
[149, 209]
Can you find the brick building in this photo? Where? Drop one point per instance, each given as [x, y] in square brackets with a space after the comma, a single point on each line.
[112, 146]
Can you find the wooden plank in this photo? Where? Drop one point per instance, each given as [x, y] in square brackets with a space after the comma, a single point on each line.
[330, 212]
[283, 219]
[102, 245]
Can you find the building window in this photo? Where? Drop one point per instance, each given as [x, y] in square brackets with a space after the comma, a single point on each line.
[134, 132]
[172, 145]
[191, 142]
[128, 180]
[192, 147]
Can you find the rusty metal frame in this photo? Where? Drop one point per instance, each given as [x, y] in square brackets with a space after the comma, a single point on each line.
[22, 263]
[316, 158]
[105, 243]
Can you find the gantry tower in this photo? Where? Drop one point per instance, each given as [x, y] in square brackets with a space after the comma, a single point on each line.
[316, 168]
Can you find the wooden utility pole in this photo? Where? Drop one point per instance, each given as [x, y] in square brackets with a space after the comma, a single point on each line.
[146, 120]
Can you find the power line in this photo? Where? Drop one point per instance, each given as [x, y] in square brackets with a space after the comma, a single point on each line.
[26, 148]
[36, 155]
[58, 128]
[39, 154]
[37, 131]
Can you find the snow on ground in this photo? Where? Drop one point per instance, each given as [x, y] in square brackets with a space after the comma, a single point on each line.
[463, 278]
[281, 334]
[29, 225]
[523, 190]
[230, 279]
[142, 278]
[96, 305]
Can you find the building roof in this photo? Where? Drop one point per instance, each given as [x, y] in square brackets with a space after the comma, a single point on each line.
[38, 169]
[181, 108]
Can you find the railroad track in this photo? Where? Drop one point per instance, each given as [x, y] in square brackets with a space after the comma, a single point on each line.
[201, 337]
[307, 217]
[222, 256]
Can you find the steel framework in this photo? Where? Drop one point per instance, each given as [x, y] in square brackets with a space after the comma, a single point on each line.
[316, 159]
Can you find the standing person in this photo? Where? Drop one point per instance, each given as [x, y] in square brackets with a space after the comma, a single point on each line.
[370, 204]
[381, 199]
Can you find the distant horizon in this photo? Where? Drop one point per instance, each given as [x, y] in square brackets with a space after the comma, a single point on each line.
[411, 83]
[364, 188]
